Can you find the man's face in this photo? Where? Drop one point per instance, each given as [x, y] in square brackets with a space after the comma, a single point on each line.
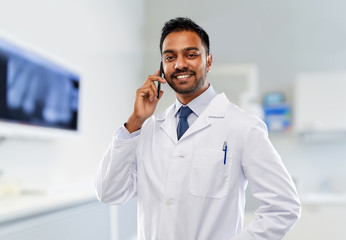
[185, 63]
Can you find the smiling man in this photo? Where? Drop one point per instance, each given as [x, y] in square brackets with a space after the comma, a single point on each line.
[186, 63]
[190, 165]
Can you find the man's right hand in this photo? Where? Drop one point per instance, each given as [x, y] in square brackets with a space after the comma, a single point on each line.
[145, 102]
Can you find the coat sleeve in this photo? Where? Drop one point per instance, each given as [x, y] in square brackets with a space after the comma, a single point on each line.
[116, 177]
[270, 182]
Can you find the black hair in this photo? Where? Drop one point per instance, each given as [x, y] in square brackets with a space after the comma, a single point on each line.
[180, 24]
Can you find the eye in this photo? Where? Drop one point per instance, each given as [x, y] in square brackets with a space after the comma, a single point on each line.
[192, 55]
[169, 58]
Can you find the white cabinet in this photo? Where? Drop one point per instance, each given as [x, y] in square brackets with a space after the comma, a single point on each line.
[320, 103]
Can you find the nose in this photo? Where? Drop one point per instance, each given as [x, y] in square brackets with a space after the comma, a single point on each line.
[180, 63]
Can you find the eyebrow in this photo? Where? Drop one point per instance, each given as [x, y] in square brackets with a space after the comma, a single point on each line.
[185, 49]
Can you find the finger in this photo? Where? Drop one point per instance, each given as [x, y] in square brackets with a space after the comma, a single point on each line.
[153, 88]
[156, 88]
[152, 95]
[157, 73]
[161, 93]
[144, 90]
[155, 78]
[149, 85]
[158, 98]
[148, 82]
[161, 80]
[148, 91]
[158, 79]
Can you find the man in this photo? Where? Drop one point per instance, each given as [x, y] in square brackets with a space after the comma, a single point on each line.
[190, 184]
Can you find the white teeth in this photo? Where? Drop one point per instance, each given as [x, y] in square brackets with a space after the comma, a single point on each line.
[182, 76]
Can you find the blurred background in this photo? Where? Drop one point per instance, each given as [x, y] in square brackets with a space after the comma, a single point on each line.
[284, 61]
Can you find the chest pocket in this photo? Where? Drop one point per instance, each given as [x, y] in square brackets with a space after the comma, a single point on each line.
[210, 177]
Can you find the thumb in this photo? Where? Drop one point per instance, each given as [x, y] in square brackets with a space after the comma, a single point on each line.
[158, 99]
[161, 93]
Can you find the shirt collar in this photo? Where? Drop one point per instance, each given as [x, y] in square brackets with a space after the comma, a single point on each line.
[198, 104]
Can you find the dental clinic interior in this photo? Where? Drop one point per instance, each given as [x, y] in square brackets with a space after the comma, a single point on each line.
[284, 61]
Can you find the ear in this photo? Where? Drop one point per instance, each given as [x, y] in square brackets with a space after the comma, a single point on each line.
[209, 62]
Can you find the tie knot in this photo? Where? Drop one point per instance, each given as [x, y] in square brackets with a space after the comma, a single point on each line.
[185, 112]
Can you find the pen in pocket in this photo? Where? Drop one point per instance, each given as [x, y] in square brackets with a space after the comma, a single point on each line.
[224, 149]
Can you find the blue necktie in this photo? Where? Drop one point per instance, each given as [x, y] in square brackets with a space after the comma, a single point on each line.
[183, 124]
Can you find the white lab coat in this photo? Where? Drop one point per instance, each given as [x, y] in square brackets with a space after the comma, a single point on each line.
[186, 192]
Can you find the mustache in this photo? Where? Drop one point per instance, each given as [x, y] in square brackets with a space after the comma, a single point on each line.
[179, 71]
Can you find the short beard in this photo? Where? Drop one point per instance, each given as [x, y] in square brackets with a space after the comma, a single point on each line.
[199, 83]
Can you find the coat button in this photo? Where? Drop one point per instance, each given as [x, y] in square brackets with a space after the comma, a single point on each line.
[170, 202]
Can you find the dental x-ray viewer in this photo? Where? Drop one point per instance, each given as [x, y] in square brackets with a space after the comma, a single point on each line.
[189, 166]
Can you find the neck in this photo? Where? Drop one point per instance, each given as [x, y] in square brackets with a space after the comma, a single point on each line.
[186, 98]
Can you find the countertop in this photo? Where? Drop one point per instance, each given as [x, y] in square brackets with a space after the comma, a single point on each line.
[35, 202]
[323, 199]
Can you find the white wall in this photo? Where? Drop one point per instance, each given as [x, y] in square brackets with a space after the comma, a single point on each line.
[103, 38]
[283, 38]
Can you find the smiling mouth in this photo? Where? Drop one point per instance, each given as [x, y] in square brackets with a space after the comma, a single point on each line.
[183, 76]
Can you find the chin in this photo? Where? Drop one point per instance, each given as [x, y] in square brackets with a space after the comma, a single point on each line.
[187, 90]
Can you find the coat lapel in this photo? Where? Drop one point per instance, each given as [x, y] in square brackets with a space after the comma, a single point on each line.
[167, 123]
[216, 109]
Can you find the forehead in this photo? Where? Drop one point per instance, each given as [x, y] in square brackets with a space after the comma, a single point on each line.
[177, 41]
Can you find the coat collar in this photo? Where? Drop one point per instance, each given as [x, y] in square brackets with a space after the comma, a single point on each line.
[216, 109]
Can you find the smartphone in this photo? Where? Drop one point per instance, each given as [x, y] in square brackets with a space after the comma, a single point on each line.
[159, 84]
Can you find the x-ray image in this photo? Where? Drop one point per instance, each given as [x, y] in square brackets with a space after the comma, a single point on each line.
[37, 92]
